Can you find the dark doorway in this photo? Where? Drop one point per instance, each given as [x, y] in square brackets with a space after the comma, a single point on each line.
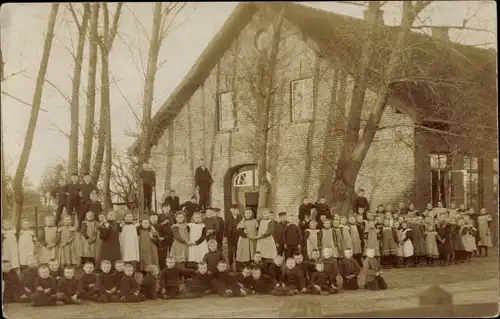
[252, 202]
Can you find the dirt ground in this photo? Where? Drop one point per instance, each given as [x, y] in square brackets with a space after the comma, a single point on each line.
[476, 281]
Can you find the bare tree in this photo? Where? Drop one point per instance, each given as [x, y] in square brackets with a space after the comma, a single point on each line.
[17, 184]
[123, 180]
[105, 42]
[75, 90]
[104, 135]
[88, 135]
[164, 15]
[4, 198]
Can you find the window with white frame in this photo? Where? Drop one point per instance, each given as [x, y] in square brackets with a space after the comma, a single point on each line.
[245, 178]
[302, 105]
[226, 111]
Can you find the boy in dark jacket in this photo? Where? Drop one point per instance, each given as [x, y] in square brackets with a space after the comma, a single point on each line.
[349, 270]
[231, 233]
[211, 223]
[292, 282]
[202, 283]
[107, 283]
[12, 284]
[279, 229]
[173, 200]
[55, 271]
[330, 265]
[275, 269]
[226, 284]
[244, 278]
[257, 261]
[62, 200]
[361, 201]
[323, 208]
[94, 204]
[29, 275]
[88, 289]
[321, 283]
[190, 207]
[74, 200]
[151, 286]
[45, 289]
[292, 237]
[262, 284]
[213, 256]
[171, 278]
[68, 288]
[128, 286]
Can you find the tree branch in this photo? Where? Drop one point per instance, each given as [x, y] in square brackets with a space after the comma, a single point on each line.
[20, 101]
[457, 27]
[114, 27]
[73, 13]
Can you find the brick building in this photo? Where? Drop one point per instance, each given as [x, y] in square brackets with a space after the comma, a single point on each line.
[211, 115]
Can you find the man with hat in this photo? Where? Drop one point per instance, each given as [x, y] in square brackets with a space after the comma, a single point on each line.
[231, 232]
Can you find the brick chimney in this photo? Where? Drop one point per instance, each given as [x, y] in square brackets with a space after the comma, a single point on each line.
[441, 33]
[367, 13]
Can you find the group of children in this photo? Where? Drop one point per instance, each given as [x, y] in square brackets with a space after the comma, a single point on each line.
[280, 255]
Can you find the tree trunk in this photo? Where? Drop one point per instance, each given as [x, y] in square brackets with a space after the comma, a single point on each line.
[2, 159]
[105, 44]
[149, 85]
[108, 161]
[266, 101]
[88, 135]
[17, 183]
[75, 91]
[355, 149]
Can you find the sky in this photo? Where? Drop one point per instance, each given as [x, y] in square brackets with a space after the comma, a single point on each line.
[22, 36]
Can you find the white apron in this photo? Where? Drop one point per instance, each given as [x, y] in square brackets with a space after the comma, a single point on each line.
[196, 252]
[407, 246]
[10, 250]
[129, 243]
[26, 247]
[312, 241]
[266, 246]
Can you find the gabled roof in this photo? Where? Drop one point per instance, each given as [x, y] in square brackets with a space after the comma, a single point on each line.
[339, 38]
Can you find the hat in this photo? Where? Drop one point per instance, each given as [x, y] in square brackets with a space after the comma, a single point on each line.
[180, 213]
[86, 174]
[233, 206]
[282, 214]
[213, 208]
[165, 204]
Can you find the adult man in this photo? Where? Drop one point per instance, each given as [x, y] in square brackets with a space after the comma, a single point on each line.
[203, 182]
[148, 184]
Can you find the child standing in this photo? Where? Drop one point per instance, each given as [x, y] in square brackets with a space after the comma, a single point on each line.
[48, 241]
[179, 250]
[443, 241]
[389, 245]
[213, 256]
[265, 240]
[417, 239]
[148, 239]
[211, 223]
[371, 237]
[247, 228]
[349, 270]
[89, 232]
[373, 275]
[355, 239]
[198, 246]
[129, 240]
[231, 233]
[457, 246]
[468, 239]
[26, 243]
[312, 237]
[66, 238]
[484, 222]
[109, 248]
[329, 239]
[10, 250]
[337, 233]
[346, 234]
[292, 237]
[431, 245]
[399, 250]
[407, 245]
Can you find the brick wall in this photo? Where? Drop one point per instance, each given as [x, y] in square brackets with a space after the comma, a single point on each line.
[296, 159]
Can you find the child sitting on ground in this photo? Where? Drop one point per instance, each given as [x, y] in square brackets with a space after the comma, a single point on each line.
[373, 275]
[150, 286]
[203, 282]
[321, 282]
[128, 286]
[226, 284]
[171, 278]
[261, 283]
[29, 276]
[45, 293]
[88, 282]
[244, 278]
[55, 270]
[275, 269]
[12, 284]
[68, 288]
[213, 256]
[349, 270]
[258, 262]
[107, 283]
[292, 281]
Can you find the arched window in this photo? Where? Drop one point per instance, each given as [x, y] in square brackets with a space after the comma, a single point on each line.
[245, 178]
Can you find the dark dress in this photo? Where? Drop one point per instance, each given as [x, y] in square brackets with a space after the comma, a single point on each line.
[110, 243]
[444, 248]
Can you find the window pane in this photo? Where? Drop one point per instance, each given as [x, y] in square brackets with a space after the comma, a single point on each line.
[442, 161]
[466, 161]
[302, 100]
[474, 163]
[495, 165]
[308, 106]
[226, 111]
[434, 161]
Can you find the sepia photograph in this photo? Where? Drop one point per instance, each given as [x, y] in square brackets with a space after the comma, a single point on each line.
[249, 159]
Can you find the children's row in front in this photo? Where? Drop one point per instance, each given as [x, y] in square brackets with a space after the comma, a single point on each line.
[49, 285]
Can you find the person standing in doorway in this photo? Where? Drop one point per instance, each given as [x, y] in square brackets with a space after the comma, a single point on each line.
[203, 182]
[148, 177]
